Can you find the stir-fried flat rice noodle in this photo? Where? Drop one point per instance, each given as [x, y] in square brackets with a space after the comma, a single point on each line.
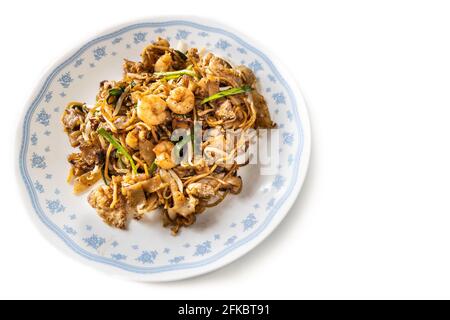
[125, 138]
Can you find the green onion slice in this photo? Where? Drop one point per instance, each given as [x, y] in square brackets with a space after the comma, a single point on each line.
[228, 92]
[116, 144]
[152, 167]
[116, 92]
[175, 74]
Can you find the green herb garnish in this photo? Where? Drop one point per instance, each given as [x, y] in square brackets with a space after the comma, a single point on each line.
[152, 167]
[113, 95]
[175, 74]
[228, 92]
[116, 144]
[116, 92]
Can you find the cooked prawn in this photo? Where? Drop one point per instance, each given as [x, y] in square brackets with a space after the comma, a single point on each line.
[163, 63]
[132, 139]
[152, 110]
[163, 152]
[181, 100]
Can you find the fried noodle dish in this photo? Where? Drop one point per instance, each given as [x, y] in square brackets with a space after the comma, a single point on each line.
[141, 126]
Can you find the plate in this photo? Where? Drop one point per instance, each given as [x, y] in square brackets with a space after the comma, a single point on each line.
[147, 251]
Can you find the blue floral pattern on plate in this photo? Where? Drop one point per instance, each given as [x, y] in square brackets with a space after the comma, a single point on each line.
[44, 149]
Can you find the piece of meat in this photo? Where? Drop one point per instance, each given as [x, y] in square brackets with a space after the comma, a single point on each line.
[72, 119]
[94, 123]
[207, 86]
[132, 67]
[87, 159]
[101, 198]
[92, 154]
[225, 111]
[220, 68]
[78, 164]
[247, 75]
[263, 119]
[192, 54]
[181, 205]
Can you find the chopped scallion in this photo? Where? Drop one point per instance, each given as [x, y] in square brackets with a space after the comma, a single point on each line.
[116, 92]
[228, 92]
[175, 74]
[116, 144]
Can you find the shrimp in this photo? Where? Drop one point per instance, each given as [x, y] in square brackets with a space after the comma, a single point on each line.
[163, 152]
[163, 63]
[132, 139]
[152, 110]
[181, 100]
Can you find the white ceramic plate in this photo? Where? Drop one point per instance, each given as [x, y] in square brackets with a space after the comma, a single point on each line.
[147, 251]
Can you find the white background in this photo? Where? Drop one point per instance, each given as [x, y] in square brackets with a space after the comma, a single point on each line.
[373, 218]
